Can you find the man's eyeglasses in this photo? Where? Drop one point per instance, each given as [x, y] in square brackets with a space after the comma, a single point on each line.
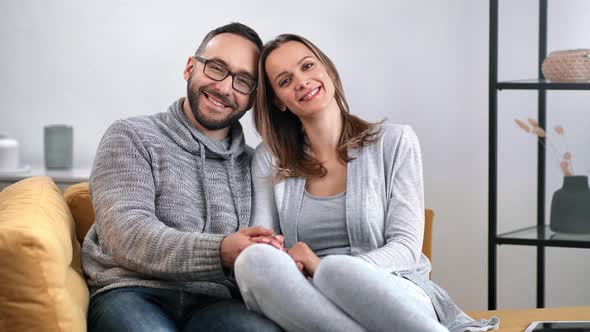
[217, 72]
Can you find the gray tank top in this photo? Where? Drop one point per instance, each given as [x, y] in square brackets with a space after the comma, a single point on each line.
[322, 224]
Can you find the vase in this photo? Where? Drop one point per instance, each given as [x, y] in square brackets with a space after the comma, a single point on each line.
[570, 206]
[58, 146]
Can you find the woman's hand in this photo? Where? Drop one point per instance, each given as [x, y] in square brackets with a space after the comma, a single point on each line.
[277, 241]
[305, 258]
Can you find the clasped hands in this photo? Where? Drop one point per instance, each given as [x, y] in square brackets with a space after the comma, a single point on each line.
[233, 244]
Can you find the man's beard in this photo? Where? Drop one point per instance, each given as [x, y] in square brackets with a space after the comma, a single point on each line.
[193, 96]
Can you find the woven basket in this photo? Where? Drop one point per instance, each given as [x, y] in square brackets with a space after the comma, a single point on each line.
[568, 65]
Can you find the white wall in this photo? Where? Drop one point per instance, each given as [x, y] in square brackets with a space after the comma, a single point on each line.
[423, 63]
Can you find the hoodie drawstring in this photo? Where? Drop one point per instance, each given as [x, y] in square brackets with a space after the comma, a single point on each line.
[203, 176]
[232, 181]
[232, 187]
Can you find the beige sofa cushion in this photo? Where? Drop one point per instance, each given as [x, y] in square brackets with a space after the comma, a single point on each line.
[42, 287]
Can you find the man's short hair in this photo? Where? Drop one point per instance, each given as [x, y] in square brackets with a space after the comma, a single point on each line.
[235, 28]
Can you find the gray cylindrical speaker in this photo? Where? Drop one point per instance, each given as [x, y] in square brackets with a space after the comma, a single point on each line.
[58, 146]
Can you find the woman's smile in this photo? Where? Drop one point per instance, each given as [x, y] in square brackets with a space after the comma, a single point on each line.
[311, 94]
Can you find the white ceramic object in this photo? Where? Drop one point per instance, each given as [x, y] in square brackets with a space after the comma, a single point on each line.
[9, 155]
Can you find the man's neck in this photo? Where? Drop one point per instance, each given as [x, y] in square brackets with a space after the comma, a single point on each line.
[212, 134]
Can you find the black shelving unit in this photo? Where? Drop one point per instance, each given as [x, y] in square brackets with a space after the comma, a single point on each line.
[539, 234]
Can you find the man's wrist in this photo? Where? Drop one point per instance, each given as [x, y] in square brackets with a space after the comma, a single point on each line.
[222, 254]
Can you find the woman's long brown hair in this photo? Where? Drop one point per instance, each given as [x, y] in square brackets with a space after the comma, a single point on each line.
[282, 132]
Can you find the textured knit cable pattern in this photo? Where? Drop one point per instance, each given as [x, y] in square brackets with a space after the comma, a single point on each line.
[164, 197]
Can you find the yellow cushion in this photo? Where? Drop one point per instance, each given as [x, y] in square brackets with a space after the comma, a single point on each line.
[78, 199]
[42, 287]
[517, 320]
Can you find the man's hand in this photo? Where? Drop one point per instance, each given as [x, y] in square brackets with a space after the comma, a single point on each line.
[277, 241]
[305, 258]
[233, 244]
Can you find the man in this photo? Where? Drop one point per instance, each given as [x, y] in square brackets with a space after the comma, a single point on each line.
[170, 191]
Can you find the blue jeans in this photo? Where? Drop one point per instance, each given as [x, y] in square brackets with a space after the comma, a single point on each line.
[149, 309]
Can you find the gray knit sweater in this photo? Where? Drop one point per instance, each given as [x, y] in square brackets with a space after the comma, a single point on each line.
[164, 197]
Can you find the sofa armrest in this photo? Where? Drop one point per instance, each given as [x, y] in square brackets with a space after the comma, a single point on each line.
[42, 287]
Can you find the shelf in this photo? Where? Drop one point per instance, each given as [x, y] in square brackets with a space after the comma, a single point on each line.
[73, 175]
[538, 84]
[542, 235]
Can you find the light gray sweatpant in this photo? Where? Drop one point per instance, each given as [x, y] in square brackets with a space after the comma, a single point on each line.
[346, 294]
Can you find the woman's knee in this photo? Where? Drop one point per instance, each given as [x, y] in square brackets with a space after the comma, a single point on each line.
[256, 262]
[335, 266]
[257, 255]
[258, 269]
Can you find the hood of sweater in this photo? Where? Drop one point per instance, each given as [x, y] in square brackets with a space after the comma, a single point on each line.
[192, 140]
[179, 129]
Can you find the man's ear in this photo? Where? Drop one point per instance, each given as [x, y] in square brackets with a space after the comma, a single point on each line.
[188, 69]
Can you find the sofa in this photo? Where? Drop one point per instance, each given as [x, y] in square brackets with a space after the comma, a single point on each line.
[42, 287]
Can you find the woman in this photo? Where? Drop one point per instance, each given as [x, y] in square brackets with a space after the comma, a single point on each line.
[347, 195]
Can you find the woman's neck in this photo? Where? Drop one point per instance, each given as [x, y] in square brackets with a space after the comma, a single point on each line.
[323, 132]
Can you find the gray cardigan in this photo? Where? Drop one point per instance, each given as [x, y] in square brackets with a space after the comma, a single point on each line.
[384, 213]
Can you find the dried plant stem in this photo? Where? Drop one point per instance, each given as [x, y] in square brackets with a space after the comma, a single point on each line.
[567, 148]
[552, 149]
[565, 161]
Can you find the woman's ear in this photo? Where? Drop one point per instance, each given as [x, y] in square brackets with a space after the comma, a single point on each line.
[280, 105]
